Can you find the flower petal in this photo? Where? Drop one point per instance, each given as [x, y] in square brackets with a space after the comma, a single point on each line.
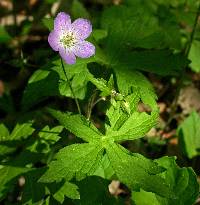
[82, 28]
[62, 22]
[67, 55]
[53, 40]
[84, 49]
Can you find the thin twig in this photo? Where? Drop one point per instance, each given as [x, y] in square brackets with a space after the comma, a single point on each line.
[70, 86]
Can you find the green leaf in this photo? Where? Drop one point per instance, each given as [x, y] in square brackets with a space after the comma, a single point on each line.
[139, 29]
[8, 177]
[33, 191]
[46, 138]
[136, 126]
[129, 81]
[4, 132]
[146, 27]
[8, 143]
[77, 75]
[162, 62]
[189, 137]
[169, 27]
[48, 23]
[52, 81]
[99, 34]
[78, 125]
[105, 169]
[77, 160]
[42, 84]
[21, 131]
[132, 27]
[78, 10]
[4, 36]
[6, 103]
[121, 110]
[136, 171]
[105, 87]
[194, 56]
[51, 135]
[129, 126]
[67, 190]
[96, 192]
[182, 182]
[145, 198]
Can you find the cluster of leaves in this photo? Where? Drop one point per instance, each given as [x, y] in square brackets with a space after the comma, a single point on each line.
[57, 170]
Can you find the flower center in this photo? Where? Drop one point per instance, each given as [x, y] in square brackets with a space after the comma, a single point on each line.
[68, 40]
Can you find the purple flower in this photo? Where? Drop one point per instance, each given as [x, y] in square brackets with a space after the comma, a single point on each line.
[69, 38]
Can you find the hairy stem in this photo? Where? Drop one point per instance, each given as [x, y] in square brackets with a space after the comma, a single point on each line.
[70, 86]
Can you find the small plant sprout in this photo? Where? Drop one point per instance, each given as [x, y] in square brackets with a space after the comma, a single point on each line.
[69, 38]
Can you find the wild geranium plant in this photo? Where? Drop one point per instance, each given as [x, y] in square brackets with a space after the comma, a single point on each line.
[89, 110]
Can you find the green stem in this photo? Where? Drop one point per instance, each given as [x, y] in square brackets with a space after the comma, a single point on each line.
[70, 86]
[193, 31]
[90, 105]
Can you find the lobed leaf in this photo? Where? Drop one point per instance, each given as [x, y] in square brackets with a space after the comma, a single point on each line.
[78, 125]
[136, 171]
[182, 182]
[77, 160]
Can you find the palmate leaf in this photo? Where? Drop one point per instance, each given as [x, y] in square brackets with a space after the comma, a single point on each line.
[136, 171]
[77, 160]
[189, 137]
[132, 29]
[182, 181]
[82, 160]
